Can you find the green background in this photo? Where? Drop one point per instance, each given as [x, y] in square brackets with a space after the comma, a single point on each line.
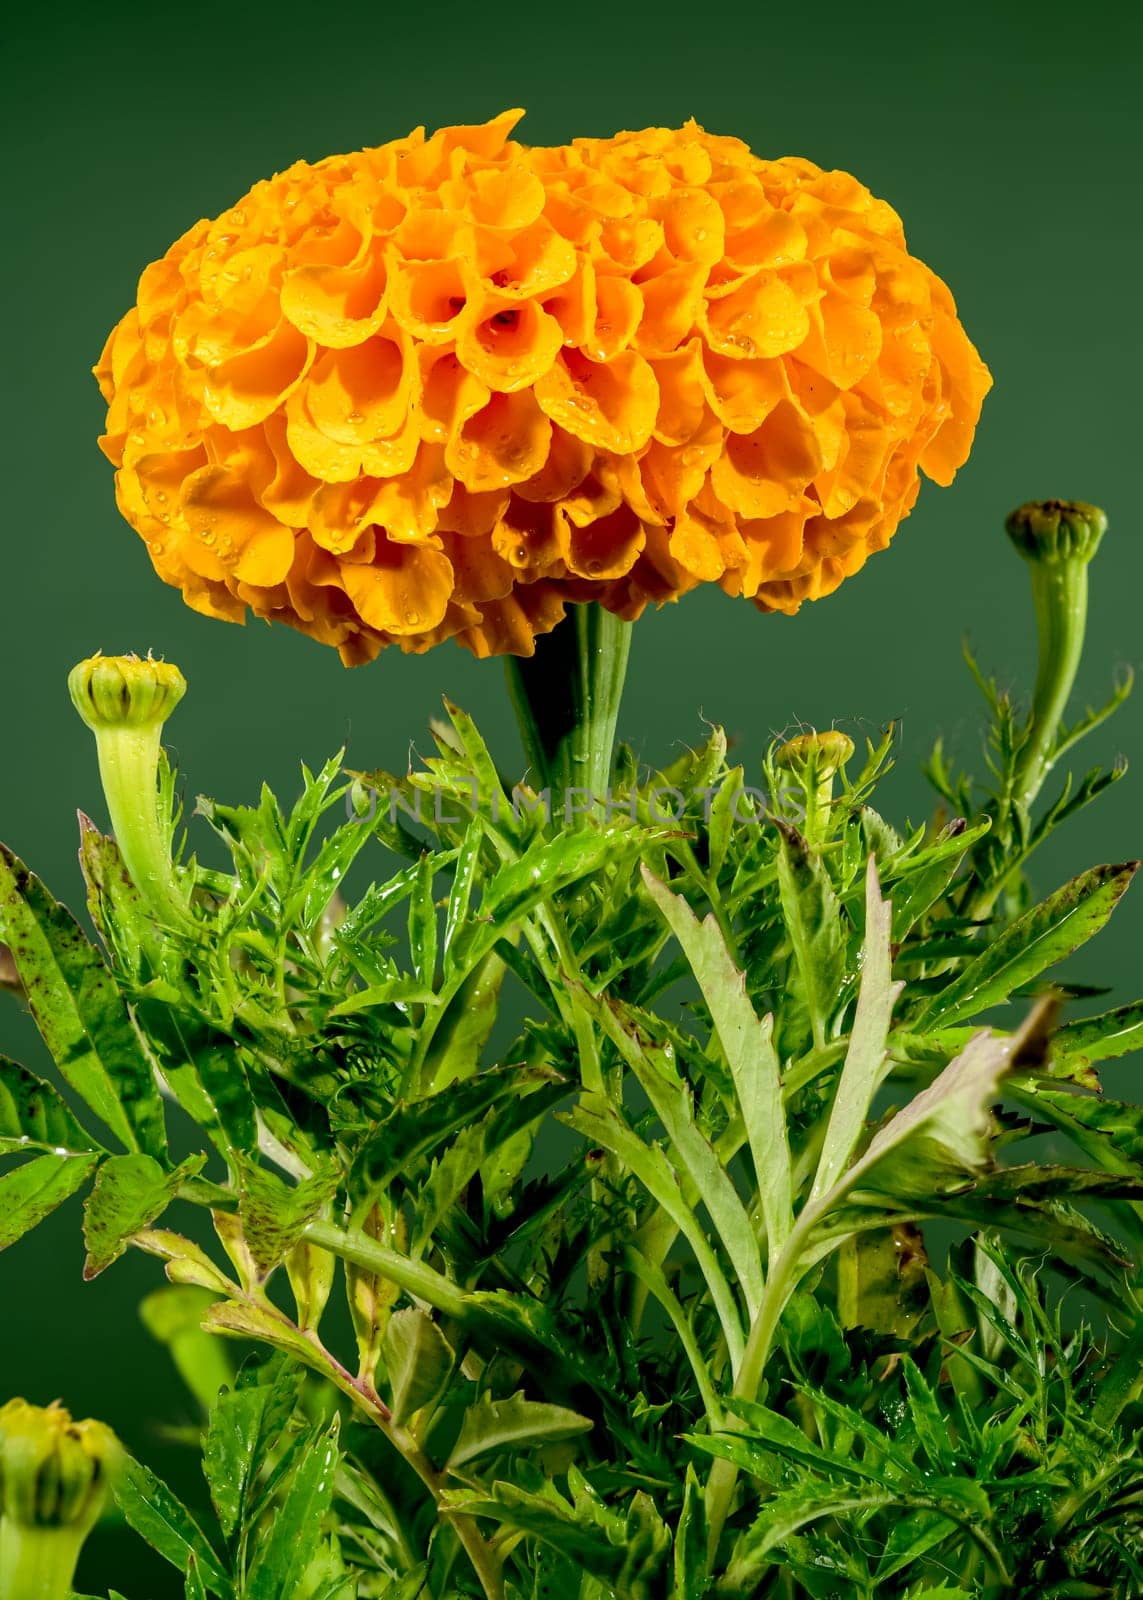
[1007, 136]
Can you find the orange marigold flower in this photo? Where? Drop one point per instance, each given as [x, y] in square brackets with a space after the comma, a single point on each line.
[443, 387]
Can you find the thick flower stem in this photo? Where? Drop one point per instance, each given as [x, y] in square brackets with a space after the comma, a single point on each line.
[566, 699]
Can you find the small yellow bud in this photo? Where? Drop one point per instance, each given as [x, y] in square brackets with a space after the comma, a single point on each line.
[125, 691]
[54, 1478]
[815, 755]
[53, 1471]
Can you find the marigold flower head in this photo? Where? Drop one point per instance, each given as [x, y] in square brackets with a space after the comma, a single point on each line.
[446, 386]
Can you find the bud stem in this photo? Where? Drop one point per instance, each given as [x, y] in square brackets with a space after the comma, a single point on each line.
[566, 699]
[1059, 593]
[38, 1563]
[128, 764]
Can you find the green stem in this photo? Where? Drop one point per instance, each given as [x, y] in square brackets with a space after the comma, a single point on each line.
[566, 699]
[38, 1563]
[1059, 592]
[128, 763]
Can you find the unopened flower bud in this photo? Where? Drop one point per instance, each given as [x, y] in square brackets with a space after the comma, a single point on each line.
[125, 691]
[1058, 539]
[818, 754]
[814, 759]
[1056, 530]
[125, 701]
[54, 1478]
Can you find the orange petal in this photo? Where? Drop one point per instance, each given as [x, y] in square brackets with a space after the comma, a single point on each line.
[245, 390]
[405, 589]
[357, 395]
[607, 547]
[336, 306]
[693, 225]
[763, 473]
[504, 443]
[566, 467]
[230, 532]
[508, 345]
[449, 394]
[672, 305]
[682, 401]
[761, 317]
[609, 405]
[742, 394]
[427, 297]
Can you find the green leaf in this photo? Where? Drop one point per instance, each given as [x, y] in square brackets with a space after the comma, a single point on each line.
[1033, 943]
[747, 1044]
[423, 924]
[244, 1423]
[601, 1124]
[35, 1189]
[419, 1361]
[881, 1280]
[129, 1193]
[34, 1116]
[415, 1128]
[275, 1213]
[79, 1011]
[1115, 1033]
[491, 1425]
[691, 1567]
[1108, 1131]
[865, 1058]
[944, 1130]
[781, 1517]
[173, 1316]
[160, 1518]
[813, 922]
[293, 1535]
[195, 1588]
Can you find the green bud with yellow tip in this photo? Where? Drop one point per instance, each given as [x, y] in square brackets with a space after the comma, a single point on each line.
[54, 1480]
[125, 701]
[1057, 538]
[814, 760]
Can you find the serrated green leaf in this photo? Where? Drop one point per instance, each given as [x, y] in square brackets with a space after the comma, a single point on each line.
[943, 1131]
[36, 1188]
[491, 1425]
[813, 921]
[129, 1193]
[34, 1116]
[1102, 1038]
[293, 1533]
[275, 1214]
[601, 1125]
[1036, 941]
[691, 1567]
[417, 1127]
[419, 1361]
[194, 1589]
[747, 1044]
[865, 1058]
[160, 1517]
[79, 1011]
